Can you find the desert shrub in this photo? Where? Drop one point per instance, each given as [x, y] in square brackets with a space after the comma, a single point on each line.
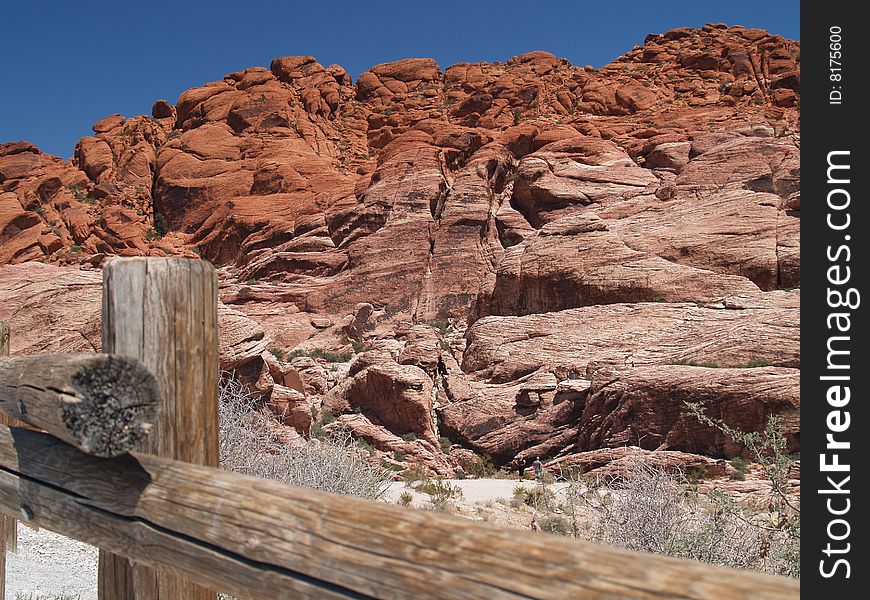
[413, 474]
[694, 476]
[692, 363]
[278, 353]
[740, 466]
[328, 356]
[248, 445]
[366, 445]
[446, 444]
[769, 449]
[480, 466]
[554, 524]
[442, 326]
[405, 498]
[409, 437]
[441, 493]
[648, 510]
[651, 510]
[757, 362]
[161, 226]
[538, 497]
[327, 417]
[317, 432]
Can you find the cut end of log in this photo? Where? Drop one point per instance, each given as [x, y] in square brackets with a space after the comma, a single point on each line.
[116, 408]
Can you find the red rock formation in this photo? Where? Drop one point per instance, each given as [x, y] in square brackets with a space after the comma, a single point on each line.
[641, 215]
[608, 463]
[646, 406]
[54, 310]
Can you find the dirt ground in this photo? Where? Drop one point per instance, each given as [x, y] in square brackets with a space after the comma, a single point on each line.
[50, 564]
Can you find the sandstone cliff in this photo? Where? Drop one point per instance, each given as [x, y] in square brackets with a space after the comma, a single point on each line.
[528, 258]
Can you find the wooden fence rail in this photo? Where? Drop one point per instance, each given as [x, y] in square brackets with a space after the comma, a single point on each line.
[101, 404]
[8, 526]
[173, 530]
[262, 539]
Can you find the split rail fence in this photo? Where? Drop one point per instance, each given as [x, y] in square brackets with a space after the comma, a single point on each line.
[120, 450]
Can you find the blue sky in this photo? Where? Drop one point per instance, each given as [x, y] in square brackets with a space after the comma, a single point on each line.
[67, 64]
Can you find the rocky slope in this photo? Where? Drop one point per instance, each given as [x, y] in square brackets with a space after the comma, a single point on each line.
[528, 258]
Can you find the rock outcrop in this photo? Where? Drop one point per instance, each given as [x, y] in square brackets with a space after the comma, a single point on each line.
[527, 258]
[54, 310]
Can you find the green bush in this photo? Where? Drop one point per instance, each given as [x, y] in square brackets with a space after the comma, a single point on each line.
[413, 474]
[365, 445]
[758, 362]
[538, 497]
[160, 224]
[554, 524]
[441, 493]
[739, 463]
[334, 357]
[692, 363]
[480, 466]
[328, 356]
[446, 444]
[695, 475]
[769, 449]
[409, 437]
[280, 354]
[442, 326]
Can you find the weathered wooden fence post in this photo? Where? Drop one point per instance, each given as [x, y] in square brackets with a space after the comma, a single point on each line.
[8, 526]
[163, 311]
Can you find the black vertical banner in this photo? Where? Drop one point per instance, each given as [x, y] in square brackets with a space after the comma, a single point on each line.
[834, 230]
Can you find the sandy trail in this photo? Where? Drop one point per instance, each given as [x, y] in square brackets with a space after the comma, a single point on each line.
[473, 490]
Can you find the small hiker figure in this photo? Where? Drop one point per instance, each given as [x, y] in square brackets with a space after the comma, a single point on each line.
[534, 524]
[539, 468]
[522, 470]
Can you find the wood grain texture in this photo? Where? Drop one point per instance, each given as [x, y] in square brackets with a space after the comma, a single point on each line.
[101, 404]
[163, 311]
[8, 525]
[261, 539]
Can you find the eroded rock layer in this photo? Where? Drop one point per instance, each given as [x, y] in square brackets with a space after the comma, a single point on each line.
[520, 259]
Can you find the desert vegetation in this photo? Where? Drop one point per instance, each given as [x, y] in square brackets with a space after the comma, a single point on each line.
[646, 508]
[665, 511]
[251, 444]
